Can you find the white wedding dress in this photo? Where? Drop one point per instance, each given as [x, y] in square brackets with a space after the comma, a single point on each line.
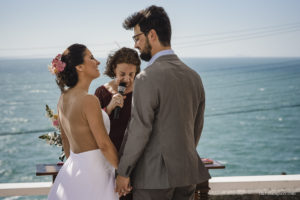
[86, 175]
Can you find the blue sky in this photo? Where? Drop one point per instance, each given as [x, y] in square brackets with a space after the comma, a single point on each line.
[228, 28]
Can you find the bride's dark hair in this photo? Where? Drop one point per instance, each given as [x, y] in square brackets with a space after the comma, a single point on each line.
[72, 57]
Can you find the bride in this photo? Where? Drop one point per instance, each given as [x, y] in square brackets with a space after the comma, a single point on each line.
[89, 171]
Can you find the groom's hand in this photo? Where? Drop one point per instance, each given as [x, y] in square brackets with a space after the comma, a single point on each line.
[123, 185]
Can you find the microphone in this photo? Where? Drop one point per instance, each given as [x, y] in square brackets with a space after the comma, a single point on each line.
[121, 90]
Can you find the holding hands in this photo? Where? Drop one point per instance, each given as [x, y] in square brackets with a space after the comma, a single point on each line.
[123, 186]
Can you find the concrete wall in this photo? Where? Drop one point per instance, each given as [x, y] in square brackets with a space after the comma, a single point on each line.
[293, 196]
[279, 187]
[234, 187]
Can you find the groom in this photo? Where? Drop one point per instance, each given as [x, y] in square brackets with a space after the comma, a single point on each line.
[160, 154]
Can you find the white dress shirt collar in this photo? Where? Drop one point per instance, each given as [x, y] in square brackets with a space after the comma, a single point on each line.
[159, 54]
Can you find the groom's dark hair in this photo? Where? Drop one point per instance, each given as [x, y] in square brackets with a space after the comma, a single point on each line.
[153, 17]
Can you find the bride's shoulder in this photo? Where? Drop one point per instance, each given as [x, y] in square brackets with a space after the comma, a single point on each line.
[91, 101]
[90, 98]
[91, 105]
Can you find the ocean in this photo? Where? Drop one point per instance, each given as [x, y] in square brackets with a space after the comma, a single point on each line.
[252, 116]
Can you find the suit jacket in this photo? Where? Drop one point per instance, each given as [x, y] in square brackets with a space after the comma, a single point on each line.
[159, 149]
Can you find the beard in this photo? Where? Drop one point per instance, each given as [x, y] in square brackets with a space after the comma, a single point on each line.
[146, 53]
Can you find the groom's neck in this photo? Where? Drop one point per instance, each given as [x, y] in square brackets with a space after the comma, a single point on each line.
[157, 48]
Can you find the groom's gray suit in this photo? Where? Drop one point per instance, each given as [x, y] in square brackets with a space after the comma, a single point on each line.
[165, 127]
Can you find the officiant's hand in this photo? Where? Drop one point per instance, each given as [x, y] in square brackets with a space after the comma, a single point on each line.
[123, 185]
[116, 100]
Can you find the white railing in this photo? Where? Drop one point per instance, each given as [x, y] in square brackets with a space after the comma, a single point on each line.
[278, 184]
[264, 185]
[24, 189]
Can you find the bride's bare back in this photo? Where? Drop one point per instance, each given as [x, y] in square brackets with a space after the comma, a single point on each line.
[82, 126]
[74, 122]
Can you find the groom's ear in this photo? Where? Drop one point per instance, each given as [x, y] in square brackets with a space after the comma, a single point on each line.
[152, 35]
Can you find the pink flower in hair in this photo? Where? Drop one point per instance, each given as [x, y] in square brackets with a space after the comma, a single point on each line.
[57, 65]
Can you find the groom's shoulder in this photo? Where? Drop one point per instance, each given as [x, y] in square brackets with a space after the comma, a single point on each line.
[149, 74]
[156, 68]
[147, 78]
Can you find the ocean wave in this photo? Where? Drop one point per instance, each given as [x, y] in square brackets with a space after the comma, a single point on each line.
[27, 132]
[13, 120]
[294, 159]
[8, 112]
[253, 110]
[2, 171]
[222, 162]
[11, 150]
[38, 91]
[261, 117]
[13, 103]
[12, 198]
[26, 87]
[6, 172]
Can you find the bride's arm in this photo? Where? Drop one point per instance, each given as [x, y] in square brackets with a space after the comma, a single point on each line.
[92, 111]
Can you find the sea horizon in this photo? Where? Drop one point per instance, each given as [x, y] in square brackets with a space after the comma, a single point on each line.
[181, 57]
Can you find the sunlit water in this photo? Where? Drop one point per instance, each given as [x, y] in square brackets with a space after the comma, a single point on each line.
[252, 117]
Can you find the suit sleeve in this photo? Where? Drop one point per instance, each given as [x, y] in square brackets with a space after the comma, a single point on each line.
[199, 121]
[144, 104]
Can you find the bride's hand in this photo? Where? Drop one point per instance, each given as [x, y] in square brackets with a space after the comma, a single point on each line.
[117, 100]
[123, 186]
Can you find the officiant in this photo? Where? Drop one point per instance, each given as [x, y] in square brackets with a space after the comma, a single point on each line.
[121, 66]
